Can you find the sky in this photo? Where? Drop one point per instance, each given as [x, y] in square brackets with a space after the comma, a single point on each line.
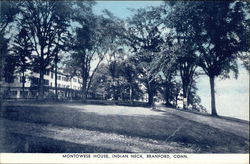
[120, 8]
[232, 95]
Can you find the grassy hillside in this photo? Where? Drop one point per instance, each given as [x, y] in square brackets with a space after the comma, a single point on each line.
[96, 128]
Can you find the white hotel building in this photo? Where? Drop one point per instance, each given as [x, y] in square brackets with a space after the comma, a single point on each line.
[68, 87]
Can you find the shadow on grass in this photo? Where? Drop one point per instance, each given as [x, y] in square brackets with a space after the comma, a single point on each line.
[19, 143]
[203, 138]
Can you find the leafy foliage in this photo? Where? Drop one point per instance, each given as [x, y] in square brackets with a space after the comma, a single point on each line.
[148, 53]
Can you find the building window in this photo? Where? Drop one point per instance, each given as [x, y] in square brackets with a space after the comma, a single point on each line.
[59, 77]
[51, 75]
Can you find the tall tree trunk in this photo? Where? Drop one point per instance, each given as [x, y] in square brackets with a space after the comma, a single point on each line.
[71, 89]
[84, 77]
[185, 96]
[9, 95]
[84, 90]
[130, 93]
[23, 82]
[167, 94]
[212, 87]
[116, 93]
[114, 90]
[41, 85]
[150, 98]
[93, 73]
[42, 71]
[176, 100]
[150, 95]
[121, 95]
[56, 88]
[2, 63]
[188, 97]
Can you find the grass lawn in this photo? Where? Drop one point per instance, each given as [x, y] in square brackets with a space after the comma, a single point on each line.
[111, 128]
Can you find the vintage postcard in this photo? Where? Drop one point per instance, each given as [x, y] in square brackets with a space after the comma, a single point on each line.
[124, 81]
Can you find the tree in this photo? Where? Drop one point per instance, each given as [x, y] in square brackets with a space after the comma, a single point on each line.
[9, 69]
[223, 40]
[47, 21]
[123, 85]
[186, 61]
[3, 52]
[22, 50]
[245, 55]
[8, 11]
[165, 65]
[217, 29]
[101, 81]
[115, 68]
[92, 42]
[115, 55]
[195, 100]
[187, 66]
[129, 72]
[144, 38]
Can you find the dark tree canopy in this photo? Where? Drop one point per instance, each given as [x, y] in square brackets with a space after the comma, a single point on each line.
[154, 53]
[218, 31]
[145, 39]
[48, 23]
